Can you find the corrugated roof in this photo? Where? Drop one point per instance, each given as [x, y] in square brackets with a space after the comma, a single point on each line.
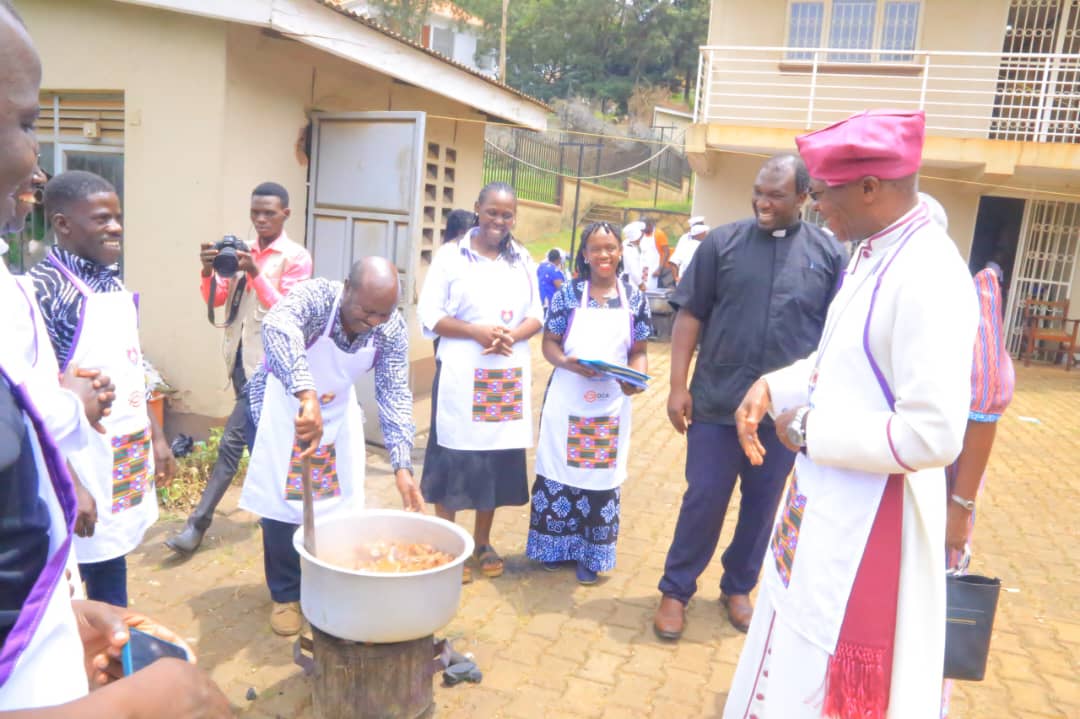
[364, 20]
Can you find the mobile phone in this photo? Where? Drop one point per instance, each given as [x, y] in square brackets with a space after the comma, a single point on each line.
[144, 649]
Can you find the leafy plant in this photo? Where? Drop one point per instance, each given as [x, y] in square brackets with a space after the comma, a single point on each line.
[192, 473]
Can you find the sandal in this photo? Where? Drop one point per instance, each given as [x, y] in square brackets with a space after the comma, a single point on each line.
[491, 564]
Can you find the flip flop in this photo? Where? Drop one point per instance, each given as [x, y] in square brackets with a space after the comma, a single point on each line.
[491, 564]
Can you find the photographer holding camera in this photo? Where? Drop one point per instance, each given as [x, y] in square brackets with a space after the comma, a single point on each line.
[248, 281]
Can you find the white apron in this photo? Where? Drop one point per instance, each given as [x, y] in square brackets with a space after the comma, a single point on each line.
[273, 487]
[41, 663]
[484, 400]
[117, 467]
[585, 424]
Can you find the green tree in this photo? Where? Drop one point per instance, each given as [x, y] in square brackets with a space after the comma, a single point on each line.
[405, 17]
[599, 49]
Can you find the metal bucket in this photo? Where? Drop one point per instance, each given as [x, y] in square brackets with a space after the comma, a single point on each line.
[663, 314]
[364, 606]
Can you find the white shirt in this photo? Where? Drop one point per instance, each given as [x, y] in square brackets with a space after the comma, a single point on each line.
[684, 252]
[437, 298]
[632, 263]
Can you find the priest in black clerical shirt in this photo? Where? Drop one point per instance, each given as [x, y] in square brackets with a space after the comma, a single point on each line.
[755, 298]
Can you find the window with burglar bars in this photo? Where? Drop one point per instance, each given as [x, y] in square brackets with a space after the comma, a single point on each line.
[859, 27]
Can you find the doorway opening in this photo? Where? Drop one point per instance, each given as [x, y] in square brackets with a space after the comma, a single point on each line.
[997, 234]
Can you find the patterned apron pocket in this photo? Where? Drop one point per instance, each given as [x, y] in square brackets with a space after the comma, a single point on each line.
[498, 395]
[592, 442]
[324, 476]
[131, 470]
[786, 538]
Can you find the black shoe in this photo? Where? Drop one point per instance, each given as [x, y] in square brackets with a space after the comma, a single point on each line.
[187, 541]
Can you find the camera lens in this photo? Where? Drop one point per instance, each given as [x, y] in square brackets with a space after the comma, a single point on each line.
[226, 263]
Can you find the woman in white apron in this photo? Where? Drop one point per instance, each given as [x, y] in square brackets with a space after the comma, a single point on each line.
[481, 299]
[116, 467]
[584, 443]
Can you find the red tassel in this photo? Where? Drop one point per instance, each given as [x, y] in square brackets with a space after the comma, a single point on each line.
[856, 686]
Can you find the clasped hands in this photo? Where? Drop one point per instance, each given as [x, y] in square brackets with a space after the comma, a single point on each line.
[495, 339]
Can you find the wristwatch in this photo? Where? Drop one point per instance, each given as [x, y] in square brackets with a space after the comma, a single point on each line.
[968, 504]
[796, 431]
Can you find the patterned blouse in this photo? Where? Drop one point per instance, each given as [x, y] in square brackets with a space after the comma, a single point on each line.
[298, 320]
[568, 298]
[992, 374]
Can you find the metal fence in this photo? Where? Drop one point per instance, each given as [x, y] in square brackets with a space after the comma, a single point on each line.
[529, 161]
[529, 182]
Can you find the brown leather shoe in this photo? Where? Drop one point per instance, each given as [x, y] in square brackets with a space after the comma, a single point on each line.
[670, 618]
[739, 610]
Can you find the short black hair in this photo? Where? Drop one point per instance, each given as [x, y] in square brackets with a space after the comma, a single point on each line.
[458, 223]
[554, 255]
[70, 187]
[790, 159]
[272, 189]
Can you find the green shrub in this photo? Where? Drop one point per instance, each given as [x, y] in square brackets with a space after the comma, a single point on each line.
[192, 473]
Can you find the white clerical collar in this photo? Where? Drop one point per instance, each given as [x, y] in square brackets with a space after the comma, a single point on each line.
[886, 237]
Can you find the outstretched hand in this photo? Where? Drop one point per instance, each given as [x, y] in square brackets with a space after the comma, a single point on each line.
[748, 417]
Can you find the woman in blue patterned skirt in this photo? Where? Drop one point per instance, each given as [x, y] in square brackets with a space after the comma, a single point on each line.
[584, 440]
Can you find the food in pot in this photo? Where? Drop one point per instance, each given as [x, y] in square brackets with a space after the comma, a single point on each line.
[393, 557]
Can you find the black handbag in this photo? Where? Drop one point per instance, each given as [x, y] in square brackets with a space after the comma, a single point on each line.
[971, 601]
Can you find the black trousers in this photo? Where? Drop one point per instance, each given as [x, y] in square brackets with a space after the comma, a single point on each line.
[714, 460]
[230, 452]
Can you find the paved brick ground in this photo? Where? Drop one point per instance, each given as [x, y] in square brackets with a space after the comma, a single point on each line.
[551, 648]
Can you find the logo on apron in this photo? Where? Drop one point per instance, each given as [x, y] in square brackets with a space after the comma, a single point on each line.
[498, 395]
[592, 442]
[133, 355]
[506, 316]
[786, 537]
[131, 469]
[324, 477]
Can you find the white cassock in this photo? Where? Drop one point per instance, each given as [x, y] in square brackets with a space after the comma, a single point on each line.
[902, 324]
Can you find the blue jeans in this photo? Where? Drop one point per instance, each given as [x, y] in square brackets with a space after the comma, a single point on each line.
[106, 581]
[714, 460]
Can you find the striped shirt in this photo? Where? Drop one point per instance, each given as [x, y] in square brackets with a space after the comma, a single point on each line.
[298, 320]
[992, 375]
[60, 300]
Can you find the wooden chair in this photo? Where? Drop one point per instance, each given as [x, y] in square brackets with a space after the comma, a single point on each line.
[1045, 321]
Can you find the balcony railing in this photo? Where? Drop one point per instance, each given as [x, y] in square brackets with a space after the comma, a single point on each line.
[1004, 96]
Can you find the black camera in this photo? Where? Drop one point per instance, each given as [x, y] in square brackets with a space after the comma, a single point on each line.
[226, 263]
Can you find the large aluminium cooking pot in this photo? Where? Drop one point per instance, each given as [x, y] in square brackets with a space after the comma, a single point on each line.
[364, 606]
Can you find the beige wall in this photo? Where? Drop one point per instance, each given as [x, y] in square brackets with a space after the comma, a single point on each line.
[171, 70]
[212, 109]
[590, 195]
[536, 219]
[638, 190]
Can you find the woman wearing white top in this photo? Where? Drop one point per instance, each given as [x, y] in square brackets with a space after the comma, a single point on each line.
[481, 299]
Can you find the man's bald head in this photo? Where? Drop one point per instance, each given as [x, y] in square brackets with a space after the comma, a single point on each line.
[20, 82]
[370, 296]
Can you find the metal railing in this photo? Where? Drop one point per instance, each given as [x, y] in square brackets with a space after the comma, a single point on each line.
[1005, 96]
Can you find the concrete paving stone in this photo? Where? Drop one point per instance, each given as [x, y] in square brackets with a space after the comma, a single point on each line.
[1029, 696]
[601, 667]
[543, 641]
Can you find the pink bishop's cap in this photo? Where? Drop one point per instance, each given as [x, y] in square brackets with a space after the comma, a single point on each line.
[884, 143]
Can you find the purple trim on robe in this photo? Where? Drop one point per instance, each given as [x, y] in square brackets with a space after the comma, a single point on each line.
[918, 221]
[37, 601]
[892, 447]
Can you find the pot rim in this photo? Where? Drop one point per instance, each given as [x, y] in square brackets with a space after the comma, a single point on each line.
[298, 544]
